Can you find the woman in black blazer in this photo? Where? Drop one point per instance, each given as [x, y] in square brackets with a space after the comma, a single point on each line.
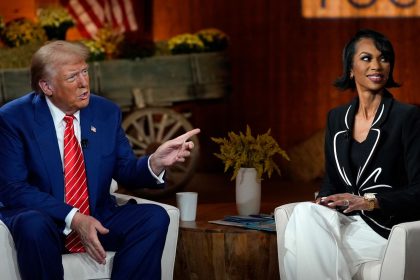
[372, 181]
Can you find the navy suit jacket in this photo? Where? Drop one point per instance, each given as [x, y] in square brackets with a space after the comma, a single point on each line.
[390, 163]
[31, 171]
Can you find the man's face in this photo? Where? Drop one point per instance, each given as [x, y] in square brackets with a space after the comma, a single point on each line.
[68, 87]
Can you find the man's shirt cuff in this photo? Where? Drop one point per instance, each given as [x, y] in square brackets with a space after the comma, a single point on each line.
[159, 178]
[68, 220]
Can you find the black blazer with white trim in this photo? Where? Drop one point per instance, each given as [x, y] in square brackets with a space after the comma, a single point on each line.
[391, 165]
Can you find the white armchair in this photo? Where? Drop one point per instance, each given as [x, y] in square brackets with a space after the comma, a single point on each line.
[80, 266]
[401, 257]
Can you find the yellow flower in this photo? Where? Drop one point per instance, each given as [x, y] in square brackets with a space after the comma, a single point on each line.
[54, 16]
[244, 150]
[185, 43]
[22, 31]
[96, 51]
[110, 40]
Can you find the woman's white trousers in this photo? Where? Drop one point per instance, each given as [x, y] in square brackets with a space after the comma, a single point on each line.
[322, 243]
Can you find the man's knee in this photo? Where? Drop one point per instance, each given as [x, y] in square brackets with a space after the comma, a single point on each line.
[159, 219]
[32, 226]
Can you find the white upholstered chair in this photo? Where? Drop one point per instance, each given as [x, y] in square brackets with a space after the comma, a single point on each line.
[80, 266]
[401, 259]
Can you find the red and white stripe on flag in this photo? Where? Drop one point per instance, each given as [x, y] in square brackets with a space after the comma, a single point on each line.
[92, 15]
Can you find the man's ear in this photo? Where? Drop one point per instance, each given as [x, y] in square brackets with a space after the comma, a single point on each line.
[46, 87]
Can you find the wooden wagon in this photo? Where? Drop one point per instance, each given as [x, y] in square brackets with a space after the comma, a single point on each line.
[145, 89]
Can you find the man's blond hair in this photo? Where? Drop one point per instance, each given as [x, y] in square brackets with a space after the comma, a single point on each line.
[51, 55]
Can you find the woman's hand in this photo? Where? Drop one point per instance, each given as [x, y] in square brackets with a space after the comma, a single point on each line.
[347, 201]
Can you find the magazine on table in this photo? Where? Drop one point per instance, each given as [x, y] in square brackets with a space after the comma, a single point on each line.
[263, 222]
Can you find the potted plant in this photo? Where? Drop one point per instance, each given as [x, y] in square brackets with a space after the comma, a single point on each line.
[22, 31]
[185, 43]
[250, 158]
[55, 20]
[246, 151]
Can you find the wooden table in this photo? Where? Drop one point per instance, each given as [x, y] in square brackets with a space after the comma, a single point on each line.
[209, 251]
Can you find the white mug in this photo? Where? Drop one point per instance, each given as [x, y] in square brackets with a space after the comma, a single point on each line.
[187, 205]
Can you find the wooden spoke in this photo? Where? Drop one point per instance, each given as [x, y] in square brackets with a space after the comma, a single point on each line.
[135, 142]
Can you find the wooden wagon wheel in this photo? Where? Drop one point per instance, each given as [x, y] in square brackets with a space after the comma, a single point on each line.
[146, 129]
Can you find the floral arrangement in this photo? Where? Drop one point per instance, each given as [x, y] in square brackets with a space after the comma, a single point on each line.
[96, 50]
[185, 43]
[110, 40]
[244, 150]
[205, 40]
[54, 16]
[22, 31]
[55, 20]
[214, 39]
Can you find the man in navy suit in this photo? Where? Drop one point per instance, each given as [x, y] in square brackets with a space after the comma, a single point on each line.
[32, 192]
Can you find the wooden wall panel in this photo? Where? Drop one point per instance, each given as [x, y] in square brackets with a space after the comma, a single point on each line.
[16, 9]
[283, 65]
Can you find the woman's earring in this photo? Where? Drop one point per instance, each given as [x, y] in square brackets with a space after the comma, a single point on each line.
[351, 76]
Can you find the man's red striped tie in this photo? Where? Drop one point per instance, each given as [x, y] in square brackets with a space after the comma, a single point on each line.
[75, 181]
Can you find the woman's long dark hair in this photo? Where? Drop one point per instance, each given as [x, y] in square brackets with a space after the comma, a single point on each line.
[382, 44]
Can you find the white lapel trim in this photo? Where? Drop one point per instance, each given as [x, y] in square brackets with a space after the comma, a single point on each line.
[345, 118]
[380, 115]
[376, 223]
[378, 186]
[342, 172]
[378, 172]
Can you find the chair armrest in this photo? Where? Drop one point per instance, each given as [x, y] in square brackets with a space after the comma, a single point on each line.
[402, 253]
[169, 251]
[281, 216]
[8, 263]
[124, 198]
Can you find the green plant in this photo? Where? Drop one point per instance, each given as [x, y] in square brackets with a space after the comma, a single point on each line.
[214, 40]
[244, 150]
[185, 43]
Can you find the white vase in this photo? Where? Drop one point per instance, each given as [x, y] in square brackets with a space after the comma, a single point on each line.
[248, 192]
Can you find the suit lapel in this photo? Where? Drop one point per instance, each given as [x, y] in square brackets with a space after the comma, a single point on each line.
[342, 142]
[46, 138]
[342, 147]
[91, 153]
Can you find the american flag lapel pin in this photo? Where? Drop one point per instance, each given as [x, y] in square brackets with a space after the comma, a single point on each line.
[93, 129]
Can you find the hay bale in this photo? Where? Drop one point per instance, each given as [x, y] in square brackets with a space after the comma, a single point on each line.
[307, 159]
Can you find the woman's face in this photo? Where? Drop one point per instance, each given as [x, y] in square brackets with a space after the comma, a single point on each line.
[370, 68]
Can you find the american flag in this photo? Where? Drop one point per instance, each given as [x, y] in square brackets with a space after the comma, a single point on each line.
[92, 15]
